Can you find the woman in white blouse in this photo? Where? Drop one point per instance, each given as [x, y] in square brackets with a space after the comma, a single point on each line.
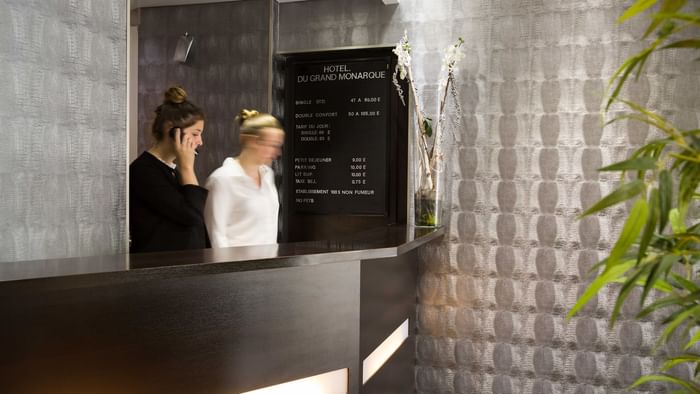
[243, 204]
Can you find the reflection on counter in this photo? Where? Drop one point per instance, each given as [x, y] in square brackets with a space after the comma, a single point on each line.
[384, 351]
[334, 382]
[377, 243]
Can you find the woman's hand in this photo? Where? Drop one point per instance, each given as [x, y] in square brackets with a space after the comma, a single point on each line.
[185, 151]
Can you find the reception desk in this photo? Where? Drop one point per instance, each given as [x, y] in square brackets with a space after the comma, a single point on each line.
[225, 320]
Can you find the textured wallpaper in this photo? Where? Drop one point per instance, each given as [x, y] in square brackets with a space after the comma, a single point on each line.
[227, 69]
[493, 296]
[63, 116]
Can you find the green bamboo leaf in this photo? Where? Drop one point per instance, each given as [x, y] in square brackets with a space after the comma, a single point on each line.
[693, 387]
[658, 305]
[639, 60]
[660, 269]
[685, 157]
[666, 10]
[638, 7]
[686, 284]
[660, 143]
[652, 149]
[669, 27]
[660, 122]
[608, 276]
[665, 198]
[676, 219]
[691, 254]
[660, 284]
[625, 72]
[680, 359]
[640, 67]
[683, 44]
[681, 16]
[428, 126]
[629, 62]
[688, 327]
[628, 116]
[650, 225]
[676, 320]
[695, 228]
[689, 238]
[692, 341]
[644, 119]
[625, 192]
[662, 242]
[663, 286]
[687, 185]
[630, 231]
[629, 284]
[691, 298]
[597, 266]
[649, 150]
[683, 161]
[635, 164]
[672, 300]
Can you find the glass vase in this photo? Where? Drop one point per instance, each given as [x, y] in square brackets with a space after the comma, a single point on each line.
[426, 209]
[429, 197]
[430, 157]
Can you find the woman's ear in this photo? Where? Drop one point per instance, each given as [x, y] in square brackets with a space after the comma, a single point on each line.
[246, 139]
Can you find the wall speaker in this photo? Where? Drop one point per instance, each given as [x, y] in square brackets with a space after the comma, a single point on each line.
[183, 47]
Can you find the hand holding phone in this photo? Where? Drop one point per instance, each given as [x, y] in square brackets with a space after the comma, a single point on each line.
[184, 148]
[173, 131]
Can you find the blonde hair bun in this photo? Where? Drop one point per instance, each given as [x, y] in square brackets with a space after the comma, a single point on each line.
[252, 121]
[175, 95]
[246, 114]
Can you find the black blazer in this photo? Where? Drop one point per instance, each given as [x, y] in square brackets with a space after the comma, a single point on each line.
[164, 215]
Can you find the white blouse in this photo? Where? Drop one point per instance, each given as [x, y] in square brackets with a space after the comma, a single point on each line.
[238, 212]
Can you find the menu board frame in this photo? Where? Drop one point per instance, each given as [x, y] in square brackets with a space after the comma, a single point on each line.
[346, 214]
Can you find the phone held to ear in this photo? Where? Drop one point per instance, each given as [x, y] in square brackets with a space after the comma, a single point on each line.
[171, 132]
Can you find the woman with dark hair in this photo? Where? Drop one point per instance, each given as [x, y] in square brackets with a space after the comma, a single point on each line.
[166, 201]
[243, 204]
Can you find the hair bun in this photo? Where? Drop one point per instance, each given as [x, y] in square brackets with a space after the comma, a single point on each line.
[246, 114]
[175, 95]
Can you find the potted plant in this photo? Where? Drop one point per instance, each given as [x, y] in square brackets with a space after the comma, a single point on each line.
[658, 248]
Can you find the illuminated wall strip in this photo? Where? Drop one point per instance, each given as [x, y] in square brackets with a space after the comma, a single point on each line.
[334, 382]
[381, 354]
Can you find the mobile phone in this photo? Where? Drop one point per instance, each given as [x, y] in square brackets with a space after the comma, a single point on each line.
[172, 133]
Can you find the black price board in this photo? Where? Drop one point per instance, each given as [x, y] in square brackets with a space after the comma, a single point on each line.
[339, 127]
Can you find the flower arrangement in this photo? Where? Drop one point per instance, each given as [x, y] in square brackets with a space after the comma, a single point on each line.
[430, 154]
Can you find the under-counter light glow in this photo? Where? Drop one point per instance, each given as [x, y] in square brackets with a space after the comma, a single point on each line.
[382, 353]
[334, 382]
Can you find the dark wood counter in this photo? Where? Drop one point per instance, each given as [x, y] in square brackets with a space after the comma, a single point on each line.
[387, 241]
[210, 321]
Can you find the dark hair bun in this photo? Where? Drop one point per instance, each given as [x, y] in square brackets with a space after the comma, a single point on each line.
[246, 114]
[175, 95]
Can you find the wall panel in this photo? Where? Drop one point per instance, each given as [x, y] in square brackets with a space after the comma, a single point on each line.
[63, 111]
[227, 69]
[493, 296]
